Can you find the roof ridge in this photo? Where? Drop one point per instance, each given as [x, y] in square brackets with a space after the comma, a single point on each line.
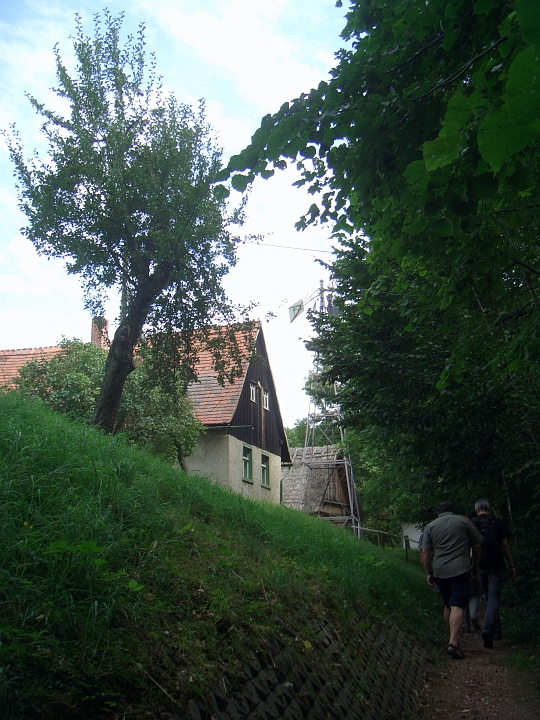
[40, 347]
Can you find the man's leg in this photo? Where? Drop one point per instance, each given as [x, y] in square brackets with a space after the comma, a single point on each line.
[493, 583]
[455, 621]
[474, 604]
[446, 616]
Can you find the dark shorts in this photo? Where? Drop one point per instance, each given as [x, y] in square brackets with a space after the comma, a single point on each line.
[455, 591]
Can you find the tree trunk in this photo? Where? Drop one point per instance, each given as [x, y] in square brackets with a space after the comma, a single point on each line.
[180, 456]
[120, 361]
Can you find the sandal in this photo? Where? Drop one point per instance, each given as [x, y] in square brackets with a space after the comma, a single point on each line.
[455, 652]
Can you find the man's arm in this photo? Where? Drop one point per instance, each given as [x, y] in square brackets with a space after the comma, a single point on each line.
[475, 560]
[426, 562]
[508, 555]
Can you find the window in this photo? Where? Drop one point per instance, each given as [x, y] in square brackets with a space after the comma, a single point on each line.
[247, 464]
[265, 471]
[253, 392]
[266, 400]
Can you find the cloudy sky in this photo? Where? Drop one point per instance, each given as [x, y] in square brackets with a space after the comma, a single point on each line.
[245, 57]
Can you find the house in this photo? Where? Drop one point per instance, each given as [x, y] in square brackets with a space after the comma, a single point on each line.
[411, 534]
[244, 445]
[320, 482]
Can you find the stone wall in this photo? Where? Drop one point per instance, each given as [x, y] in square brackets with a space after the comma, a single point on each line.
[375, 673]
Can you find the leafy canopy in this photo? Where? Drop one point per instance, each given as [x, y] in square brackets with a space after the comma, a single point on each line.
[156, 418]
[424, 146]
[422, 154]
[126, 197]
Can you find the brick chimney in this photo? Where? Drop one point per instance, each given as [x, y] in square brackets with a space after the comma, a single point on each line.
[99, 335]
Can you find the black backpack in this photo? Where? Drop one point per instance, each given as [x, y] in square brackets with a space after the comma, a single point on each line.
[491, 556]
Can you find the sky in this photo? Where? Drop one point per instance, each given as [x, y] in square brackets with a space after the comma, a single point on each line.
[245, 58]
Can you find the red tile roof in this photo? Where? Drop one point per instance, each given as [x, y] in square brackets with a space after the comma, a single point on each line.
[214, 404]
[11, 361]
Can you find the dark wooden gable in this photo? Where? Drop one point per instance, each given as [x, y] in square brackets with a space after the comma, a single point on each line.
[265, 427]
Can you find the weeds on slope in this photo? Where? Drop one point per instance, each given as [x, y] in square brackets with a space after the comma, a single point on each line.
[118, 569]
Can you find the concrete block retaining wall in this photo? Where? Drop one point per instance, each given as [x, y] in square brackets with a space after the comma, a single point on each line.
[373, 674]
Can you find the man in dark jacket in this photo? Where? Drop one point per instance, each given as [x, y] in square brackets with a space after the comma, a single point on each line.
[446, 556]
[494, 548]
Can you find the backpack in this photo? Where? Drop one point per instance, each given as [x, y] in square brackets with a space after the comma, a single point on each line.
[491, 556]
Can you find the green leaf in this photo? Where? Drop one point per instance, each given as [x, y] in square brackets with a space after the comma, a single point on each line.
[314, 211]
[443, 227]
[449, 40]
[442, 151]
[240, 182]
[221, 192]
[223, 175]
[528, 12]
[483, 7]
[522, 95]
[134, 586]
[484, 185]
[458, 112]
[57, 546]
[417, 175]
[499, 138]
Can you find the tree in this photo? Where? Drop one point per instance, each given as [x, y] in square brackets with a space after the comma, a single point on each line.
[424, 145]
[422, 153]
[156, 418]
[127, 198]
[69, 381]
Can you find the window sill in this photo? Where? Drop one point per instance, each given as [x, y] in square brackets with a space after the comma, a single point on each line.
[246, 480]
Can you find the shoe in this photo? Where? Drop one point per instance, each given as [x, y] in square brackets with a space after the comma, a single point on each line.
[487, 638]
[475, 625]
[455, 652]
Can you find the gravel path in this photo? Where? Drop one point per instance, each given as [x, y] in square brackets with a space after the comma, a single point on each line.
[482, 686]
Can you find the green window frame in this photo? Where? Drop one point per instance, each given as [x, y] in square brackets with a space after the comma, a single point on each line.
[265, 471]
[247, 464]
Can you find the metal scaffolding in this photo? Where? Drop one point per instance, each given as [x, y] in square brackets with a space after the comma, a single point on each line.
[321, 480]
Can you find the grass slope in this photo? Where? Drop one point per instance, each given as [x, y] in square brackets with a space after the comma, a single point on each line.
[123, 580]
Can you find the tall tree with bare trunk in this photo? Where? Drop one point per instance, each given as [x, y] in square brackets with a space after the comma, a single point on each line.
[127, 197]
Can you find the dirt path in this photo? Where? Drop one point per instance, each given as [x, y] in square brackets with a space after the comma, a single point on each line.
[482, 686]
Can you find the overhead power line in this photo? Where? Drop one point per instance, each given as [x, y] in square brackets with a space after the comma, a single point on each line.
[285, 247]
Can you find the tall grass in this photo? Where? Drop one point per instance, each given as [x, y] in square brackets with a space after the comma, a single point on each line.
[106, 549]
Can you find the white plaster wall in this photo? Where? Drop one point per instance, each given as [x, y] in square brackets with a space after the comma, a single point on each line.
[412, 531]
[253, 489]
[219, 457]
[210, 457]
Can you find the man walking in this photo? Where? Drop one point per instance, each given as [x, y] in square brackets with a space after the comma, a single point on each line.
[494, 549]
[446, 558]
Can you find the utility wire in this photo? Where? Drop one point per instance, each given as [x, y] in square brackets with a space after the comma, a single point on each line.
[285, 247]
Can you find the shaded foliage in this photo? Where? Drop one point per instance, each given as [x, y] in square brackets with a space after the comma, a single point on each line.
[157, 418]
[422, 152]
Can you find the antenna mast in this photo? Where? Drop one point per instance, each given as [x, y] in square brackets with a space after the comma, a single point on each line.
[321, 481]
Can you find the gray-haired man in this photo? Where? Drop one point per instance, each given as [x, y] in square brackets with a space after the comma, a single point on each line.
[494, 548]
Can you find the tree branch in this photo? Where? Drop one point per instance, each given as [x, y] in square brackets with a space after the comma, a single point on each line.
[462, 69]
[416, 54]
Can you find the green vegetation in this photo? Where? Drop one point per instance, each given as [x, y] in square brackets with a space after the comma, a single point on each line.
[117, 568]
[126, 197]
[154, 412]
[422, 153]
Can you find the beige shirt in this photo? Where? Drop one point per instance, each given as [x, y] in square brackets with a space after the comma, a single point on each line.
[449, 538]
